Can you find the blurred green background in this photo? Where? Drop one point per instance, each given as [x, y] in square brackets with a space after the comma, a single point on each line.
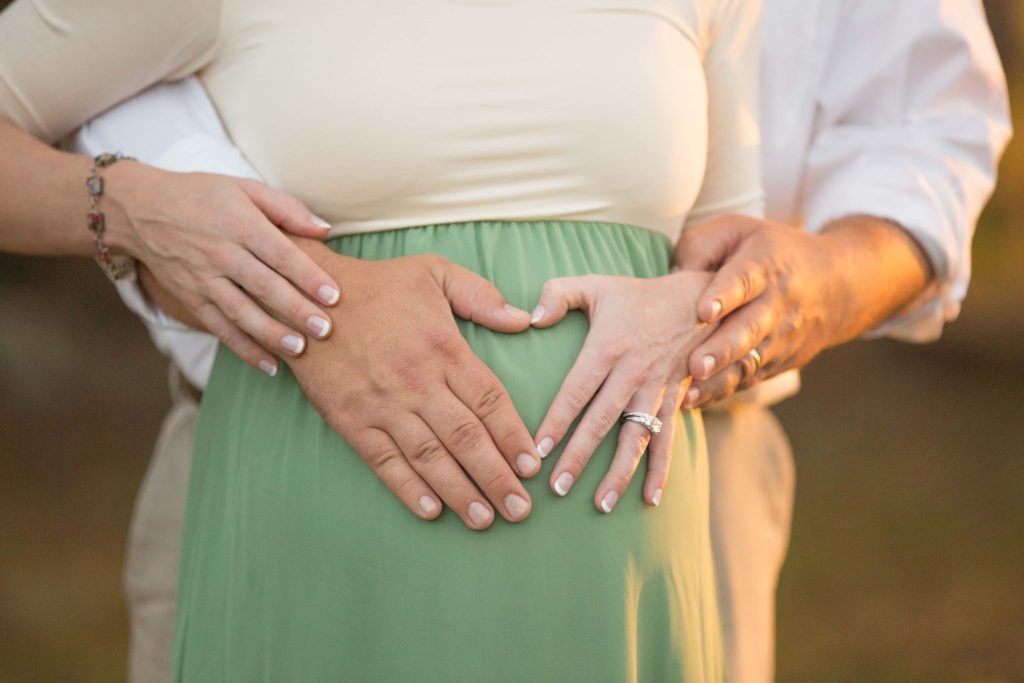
[907, 557]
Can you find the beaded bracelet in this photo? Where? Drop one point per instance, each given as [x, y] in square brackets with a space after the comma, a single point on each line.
[116, 266]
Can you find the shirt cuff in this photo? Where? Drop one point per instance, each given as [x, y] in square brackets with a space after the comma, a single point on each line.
[922, 320]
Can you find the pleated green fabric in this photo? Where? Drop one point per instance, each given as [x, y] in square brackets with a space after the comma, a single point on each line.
[299, 565]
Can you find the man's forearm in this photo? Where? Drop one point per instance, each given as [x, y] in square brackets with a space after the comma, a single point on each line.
[879, 270]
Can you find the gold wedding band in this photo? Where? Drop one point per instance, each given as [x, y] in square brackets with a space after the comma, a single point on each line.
[758, 361]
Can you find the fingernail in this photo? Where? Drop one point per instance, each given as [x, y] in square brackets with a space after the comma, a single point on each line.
[428, 505]
[515, 506]
[709, 364]
[527, 463]
[329, 295]
[517, 313]
[716, 308]
[693, 395]
[318, 326]
[320, 222]
[479, 514]
[563, 483]
[292, 343]
[537, 314]
[609, 501]
[545, 446]
[268, 367]
[656, 498]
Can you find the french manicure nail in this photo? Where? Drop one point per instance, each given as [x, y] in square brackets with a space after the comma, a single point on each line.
[693, 395]
[545, 446]
[609, 501]
[479, 514]
[656, 498]
[329, 295]
[516, 506]
[318, 326]
[537, 314]
[320, 222]
[527, 463]
[709, 364]
[716, 308]
[292, 343]
[268, 367]
[428, 505]
[563, 483]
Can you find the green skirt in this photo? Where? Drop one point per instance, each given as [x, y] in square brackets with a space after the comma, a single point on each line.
[299, 565]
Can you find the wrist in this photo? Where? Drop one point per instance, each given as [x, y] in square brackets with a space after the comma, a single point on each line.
[127, 185]
[877, 269]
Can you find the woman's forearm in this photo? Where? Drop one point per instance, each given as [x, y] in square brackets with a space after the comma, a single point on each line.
[45, 200]
[44, 197]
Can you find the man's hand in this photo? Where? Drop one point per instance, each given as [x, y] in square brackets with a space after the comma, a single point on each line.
[790, 294]
[399, 382]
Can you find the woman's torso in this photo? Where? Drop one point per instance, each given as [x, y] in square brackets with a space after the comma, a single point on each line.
[382, 114]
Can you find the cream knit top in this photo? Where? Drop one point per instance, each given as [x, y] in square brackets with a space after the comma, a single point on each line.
[383, 114]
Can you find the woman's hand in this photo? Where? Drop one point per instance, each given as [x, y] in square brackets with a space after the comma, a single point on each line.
[400, 384]
[634, 359]
[216, 244]
[789, 294]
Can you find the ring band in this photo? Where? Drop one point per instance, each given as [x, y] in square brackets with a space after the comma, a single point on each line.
[652, 423]
[758, 361]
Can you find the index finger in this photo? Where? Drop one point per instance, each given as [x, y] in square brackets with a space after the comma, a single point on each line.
[738, 282]
[282, 255]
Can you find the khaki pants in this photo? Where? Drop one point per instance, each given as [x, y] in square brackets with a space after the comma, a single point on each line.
[752, 487]
[752, 480]
[154, 542]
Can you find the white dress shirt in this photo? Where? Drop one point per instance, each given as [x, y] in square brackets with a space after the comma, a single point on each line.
[896, 110]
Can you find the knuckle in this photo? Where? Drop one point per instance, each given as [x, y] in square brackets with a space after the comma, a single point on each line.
[443, 346]
[220, 260]
[489, 400]
[574, 461]
[603, 423]
[292, 205]
[384, 459]
[746, 280]
[578, 396]
[427, 453]
[493, 480]
[297, 308]
[755, 329]
[234, 309]
[280, 259]
[406, 373]
[260, 286]
[613, 351]
[552, 287]
[466, 436]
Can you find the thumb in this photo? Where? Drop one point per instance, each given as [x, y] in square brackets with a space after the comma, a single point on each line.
[707, 245]
[475, 298]
[561, 295]
[285, 211]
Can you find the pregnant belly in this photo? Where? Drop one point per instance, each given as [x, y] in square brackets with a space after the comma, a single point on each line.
[285, 519]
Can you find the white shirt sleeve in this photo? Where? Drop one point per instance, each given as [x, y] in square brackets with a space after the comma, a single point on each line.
[174, 127]
[912, 118]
